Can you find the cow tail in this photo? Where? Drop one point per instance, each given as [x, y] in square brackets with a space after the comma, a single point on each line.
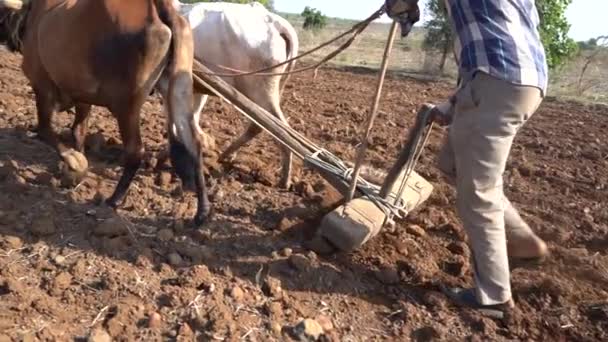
[180, 94]
[289, 34]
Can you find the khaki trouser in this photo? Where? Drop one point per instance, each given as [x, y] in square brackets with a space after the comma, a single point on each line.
[488, 114]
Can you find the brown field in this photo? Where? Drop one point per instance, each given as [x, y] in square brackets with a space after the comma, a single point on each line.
[69, 266]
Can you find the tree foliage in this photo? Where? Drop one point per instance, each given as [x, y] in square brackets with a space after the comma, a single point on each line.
[267, 3]
[313, 19]
[554, 29]
[438, 31]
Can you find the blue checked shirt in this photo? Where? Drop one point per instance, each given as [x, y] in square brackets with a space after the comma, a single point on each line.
[500, 38]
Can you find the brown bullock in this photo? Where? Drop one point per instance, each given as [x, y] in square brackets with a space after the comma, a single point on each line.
[110, 53]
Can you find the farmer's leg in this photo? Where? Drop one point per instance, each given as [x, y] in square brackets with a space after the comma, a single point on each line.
[489, 112]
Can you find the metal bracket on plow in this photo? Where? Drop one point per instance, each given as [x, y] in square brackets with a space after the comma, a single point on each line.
[353, 224]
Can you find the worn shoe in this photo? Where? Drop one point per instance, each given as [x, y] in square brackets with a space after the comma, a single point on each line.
[467, 298]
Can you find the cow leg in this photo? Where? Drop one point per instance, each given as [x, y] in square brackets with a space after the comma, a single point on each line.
[230, 152]
[128, 123]
[80, 126]
[46, 105]
[286, 156]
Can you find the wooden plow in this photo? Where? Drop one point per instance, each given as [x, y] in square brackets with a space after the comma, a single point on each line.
[368, 206]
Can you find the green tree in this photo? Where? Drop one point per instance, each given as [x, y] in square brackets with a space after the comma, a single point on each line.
[313, 19]
[267, 3]
[554, 29]
[438, 31]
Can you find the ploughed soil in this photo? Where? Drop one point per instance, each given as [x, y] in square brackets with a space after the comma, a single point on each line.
[70, 268]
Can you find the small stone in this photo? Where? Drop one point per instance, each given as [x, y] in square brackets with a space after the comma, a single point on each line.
[185, 330]
[276, 328]
[287, 252]
[62, 281]
[308, 330]
[29, 337]
[428, 333]
[206, 253]
[43, 226]
[275, 309]
[272, 288]
[434, 300]
[12, 285]
[155, 320]
[299, 262]
[59, 259]
[218, 195]
[164, 179]
[13, 242]
[402, 247]
[99, 335]
[110, 227]
[387, 275]
[459, 248]
[237, 294]
[284, 224]
[325, 323]
[201, 235]
[165, 234]
[175, 259]
[416, 230]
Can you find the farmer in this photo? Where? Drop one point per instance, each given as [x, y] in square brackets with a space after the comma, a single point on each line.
[503, 79]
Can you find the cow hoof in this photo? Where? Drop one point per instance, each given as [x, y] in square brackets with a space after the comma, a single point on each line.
[73, 167]
[75, 161]
[202, 216]
[285, 184]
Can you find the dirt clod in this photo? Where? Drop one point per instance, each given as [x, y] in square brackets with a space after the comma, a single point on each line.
[164, 179]
[272, 288]
[387, 275]
[307, 330]
[459, 248]
[175, 259]
[43, 226]
[12, 242]
[325, 322]
[237, 294]
[165, 235]
[62, 281]
[99, 335]
[416, 230]
[300, 262]
[155, 320]
[111, 227]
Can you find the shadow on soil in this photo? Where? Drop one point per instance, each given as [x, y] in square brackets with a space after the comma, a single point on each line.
[34, 209]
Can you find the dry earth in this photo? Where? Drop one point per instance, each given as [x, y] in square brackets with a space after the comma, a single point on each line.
[70, 268]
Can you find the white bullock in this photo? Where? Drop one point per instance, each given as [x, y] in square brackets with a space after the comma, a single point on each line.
[245, 37]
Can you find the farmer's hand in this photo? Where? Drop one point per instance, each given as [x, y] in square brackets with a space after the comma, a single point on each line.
[406, 12]
[442, 113]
